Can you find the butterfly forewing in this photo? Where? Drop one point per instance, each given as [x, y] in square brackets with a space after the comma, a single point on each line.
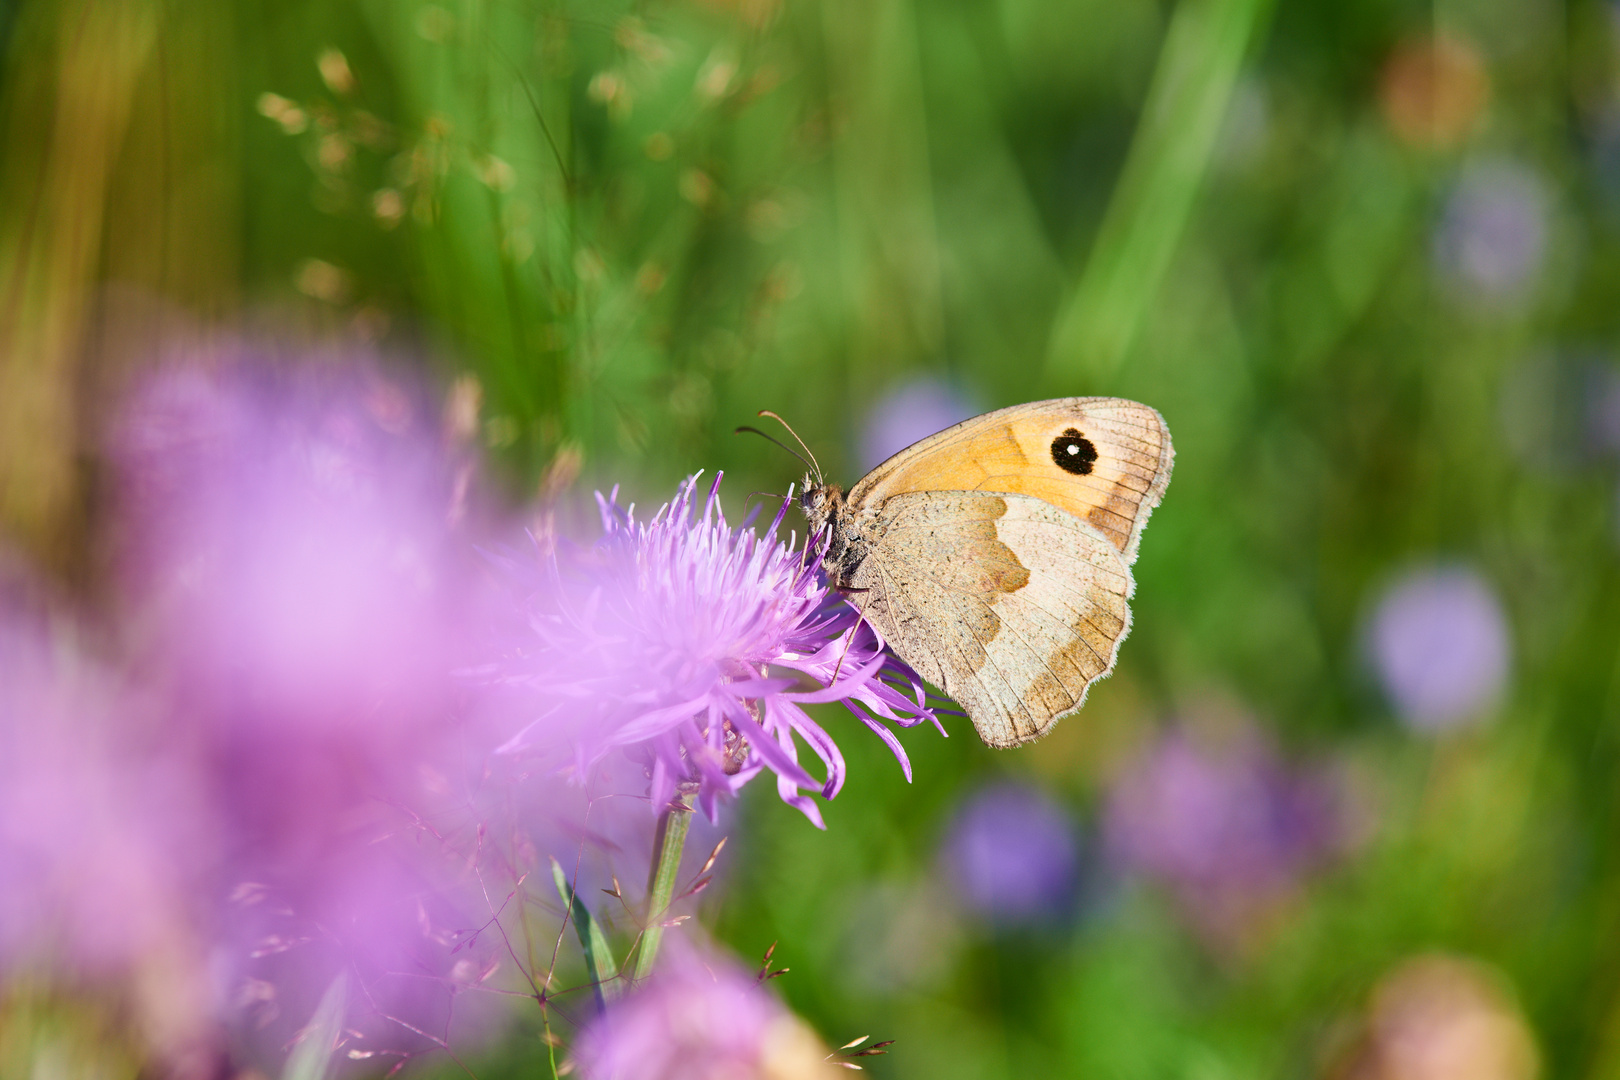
[1106, 461]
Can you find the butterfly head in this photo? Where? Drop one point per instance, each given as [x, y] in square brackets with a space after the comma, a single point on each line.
[820, 502]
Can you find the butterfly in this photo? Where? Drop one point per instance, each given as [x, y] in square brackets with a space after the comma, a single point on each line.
[995, 557]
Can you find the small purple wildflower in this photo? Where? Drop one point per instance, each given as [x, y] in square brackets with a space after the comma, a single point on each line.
[1012, 854]
[700, 1018]
[660, 640]
[1440, 643]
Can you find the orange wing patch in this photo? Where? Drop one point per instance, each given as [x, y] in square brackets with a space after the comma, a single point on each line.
[1106, 461]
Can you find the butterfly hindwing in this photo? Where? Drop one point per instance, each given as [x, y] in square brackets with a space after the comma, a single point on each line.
[1011, 605]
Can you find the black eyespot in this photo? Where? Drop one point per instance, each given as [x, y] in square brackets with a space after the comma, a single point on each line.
[1074, 453]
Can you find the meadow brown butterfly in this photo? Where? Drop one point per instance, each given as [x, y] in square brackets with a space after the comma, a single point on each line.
[995, 556]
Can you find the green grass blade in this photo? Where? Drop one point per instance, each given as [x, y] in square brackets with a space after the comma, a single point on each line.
[599, 965]
[1186, 106]
[311, 1059]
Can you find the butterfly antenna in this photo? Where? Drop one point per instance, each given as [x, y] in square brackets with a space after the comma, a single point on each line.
[783, 445]
[813, 462]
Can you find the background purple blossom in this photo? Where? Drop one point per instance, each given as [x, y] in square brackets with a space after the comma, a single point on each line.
[1012, 854]
[1492, 239]
[1441, 646]
[1229, 826]
[299, 591]
[911, 411]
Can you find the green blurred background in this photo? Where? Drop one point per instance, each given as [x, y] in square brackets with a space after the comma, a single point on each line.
[1362, 256]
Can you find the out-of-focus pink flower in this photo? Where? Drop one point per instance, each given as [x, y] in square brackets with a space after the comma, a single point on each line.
[1440, 643]
[298, 590]
[912, 411]
[288, 533]
[1012, 854]
[700, 1018]
[1229, 827]
[661, 641]
[101, 836]
[298, 601]
[105, 841]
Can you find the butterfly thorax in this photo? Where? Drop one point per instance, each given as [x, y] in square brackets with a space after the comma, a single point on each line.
[825, 508]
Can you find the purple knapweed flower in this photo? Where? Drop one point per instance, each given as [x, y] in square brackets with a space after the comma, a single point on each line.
[911, 411]
[296, 594]
[286, 537]
[101, 833]
[1012, 854]
[1226, 825]
[105, 840]
[661, 639]
[1440, 644]
[700, 1018]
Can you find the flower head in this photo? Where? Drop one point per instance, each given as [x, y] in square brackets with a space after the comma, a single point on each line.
[286, 534]
[688, 642]
[296, 594]
[700, 1018]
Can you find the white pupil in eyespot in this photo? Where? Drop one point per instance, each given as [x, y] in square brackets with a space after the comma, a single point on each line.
[1073, 449]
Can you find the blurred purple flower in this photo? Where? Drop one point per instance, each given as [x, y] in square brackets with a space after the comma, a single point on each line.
[1229, 827]
[101, 838]
[1011, 853]
[911, 411]
[699, 1018]
[298, 596]
[660, 639]
[1493, 232]
[105, 843]
[1440, 644]
[288, 532]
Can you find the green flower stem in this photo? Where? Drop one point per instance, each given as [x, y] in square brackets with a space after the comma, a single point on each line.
[673, 824]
